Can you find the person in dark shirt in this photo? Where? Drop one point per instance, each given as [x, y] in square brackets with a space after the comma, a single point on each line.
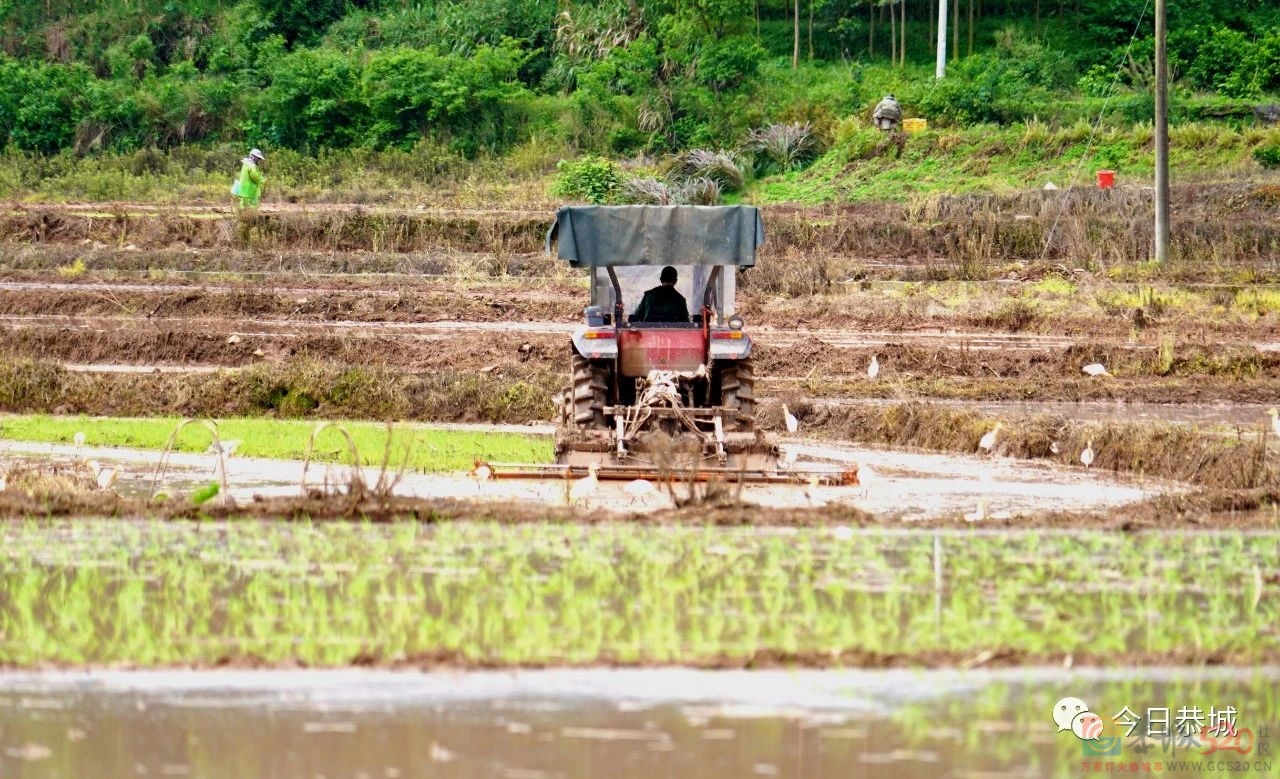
[663, 303]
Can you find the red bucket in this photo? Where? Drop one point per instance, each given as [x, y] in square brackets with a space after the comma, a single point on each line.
[1106, 179]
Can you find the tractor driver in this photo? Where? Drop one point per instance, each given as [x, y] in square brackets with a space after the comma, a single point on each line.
[663, 303]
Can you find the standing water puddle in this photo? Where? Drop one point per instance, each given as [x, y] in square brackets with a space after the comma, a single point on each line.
[895, 484]
[607, 723]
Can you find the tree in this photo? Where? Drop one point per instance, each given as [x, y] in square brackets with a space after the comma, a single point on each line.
[301, 22]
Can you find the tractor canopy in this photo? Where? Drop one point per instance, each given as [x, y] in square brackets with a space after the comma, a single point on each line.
[611, 236]
[623, 249]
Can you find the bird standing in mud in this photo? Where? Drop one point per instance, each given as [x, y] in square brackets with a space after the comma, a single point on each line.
[793, 424]
[480, 473]
[1275, 421]
[105, 477]
[1086, 456]
[811, 491]
[1096, 369]
[873, 370]
[224, 448]
[79, 442]
[641, 490]
[585, 487]
[988, 441]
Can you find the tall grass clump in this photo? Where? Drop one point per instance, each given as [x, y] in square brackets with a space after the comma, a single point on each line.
[779, 148]
[718, 166]
[702, 191]
[647, 191]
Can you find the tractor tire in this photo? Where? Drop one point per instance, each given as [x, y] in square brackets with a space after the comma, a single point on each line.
[737, 391]
[586, 398]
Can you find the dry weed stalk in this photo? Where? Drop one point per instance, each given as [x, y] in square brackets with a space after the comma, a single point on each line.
[224, 494]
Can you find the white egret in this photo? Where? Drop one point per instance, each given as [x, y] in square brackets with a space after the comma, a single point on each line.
[107, 477]
[793, 424]
[1096, 369]
[79, 442]
[585, 487]
[1055, 447]
[1275, 421]
[873, 370]
[811, 490]
[1086, 456]
[978, 514]
[988, 441]
[480, 472]
[640, 490]
[225, 448]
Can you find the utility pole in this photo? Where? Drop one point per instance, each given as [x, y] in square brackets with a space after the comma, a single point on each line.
[1162, 136]
[940, 70]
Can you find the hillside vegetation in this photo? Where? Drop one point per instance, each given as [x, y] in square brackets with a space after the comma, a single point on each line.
[105, 100]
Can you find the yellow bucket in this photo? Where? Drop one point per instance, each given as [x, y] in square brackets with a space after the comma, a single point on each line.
[915, 125]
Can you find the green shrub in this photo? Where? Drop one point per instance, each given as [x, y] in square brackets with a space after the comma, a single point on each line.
[1268, 156]
[592, 179]
[730, 62]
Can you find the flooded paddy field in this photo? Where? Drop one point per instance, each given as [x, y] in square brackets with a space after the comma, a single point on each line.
[920, 624]
[481, 594]
[641, 723]
[898, 486]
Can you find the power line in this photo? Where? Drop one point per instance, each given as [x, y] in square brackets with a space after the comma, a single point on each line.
[1088, 147]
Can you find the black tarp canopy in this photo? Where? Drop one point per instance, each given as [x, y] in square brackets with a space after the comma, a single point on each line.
[600, 236]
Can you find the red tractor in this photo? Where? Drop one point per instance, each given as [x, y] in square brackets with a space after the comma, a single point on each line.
[660, 374]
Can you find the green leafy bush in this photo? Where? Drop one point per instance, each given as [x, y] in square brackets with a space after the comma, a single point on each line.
[1268, 156]
[592, 179]
[1009, 84]
[728, 63]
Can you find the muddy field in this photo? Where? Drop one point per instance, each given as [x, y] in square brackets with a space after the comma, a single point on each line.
[458, 316]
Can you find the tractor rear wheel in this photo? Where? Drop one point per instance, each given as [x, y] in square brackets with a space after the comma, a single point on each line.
[584, 406]
[737, 391]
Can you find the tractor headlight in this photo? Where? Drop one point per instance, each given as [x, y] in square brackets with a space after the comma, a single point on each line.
[736, 322]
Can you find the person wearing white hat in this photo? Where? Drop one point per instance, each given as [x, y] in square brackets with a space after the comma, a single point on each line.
[248, 186]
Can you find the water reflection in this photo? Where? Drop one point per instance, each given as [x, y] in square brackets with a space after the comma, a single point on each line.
[526, 725]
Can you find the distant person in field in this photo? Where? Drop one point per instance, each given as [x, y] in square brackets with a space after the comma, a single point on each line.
[887, 114]
[663, 303]
[249, 184]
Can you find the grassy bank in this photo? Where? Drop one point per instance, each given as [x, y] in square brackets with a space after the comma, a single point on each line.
[297, 389]
[859, 164]
[1227, 226]
[866, 165]
[417, 447]
[487, 595]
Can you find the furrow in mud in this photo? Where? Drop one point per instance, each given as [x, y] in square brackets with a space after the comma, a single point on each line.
[961, 311]
[816, 363]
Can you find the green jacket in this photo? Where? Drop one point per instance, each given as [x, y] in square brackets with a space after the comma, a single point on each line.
[251, 181]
